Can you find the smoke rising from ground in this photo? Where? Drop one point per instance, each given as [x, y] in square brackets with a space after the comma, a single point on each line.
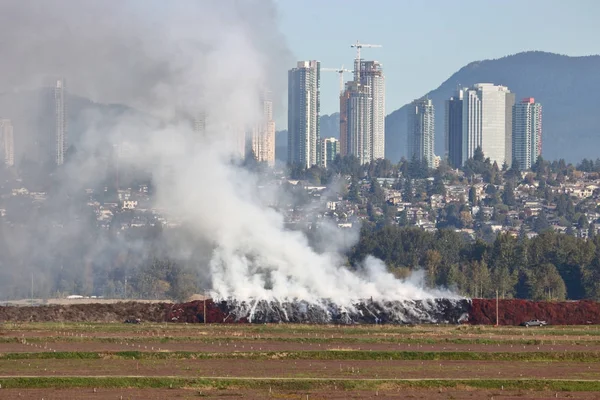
[170, 61]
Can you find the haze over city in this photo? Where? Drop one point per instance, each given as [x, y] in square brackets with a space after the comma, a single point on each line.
[311, 199]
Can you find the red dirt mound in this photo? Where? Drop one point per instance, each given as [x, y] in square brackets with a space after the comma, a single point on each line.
[93, 312]
[193, 312]
[515, 312]
[482, 312]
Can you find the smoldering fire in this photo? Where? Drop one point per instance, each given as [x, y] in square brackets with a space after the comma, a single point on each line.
[214, 57]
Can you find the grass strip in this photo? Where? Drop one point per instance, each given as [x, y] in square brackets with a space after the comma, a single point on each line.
[292, 383]
[317, 355]
[299, 340]
[306, 329]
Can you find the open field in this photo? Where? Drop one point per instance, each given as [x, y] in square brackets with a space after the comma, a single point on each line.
[158, 360]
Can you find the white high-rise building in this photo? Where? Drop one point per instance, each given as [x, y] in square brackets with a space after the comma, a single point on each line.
[362, 114]
[372, 78]
[358, 110]
[263, 134]
[60, 120]
[303, 113]
[527, 132]
[421, 131]
[486, 121]
[8, 142]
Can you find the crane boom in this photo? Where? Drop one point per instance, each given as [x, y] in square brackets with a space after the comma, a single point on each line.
[340, 71]
[358, 45]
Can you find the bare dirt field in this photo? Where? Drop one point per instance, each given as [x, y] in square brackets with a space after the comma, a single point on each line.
[161, 394]
[158, 360]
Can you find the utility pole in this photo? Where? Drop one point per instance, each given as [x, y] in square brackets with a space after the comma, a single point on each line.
[32, 288]
[497, 316]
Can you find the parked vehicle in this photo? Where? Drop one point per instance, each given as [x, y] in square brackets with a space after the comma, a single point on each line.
[534, 322]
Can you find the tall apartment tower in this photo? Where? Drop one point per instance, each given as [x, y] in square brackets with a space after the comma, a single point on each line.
[362, 114]
[421, 131]
[372, 78]
[60, 120]
[357, 106]
[303, 113]
[7, 141]
[330, 148]
[486, 121]
[527, 132]
[453, 129]
[263, 135]
[200, 123]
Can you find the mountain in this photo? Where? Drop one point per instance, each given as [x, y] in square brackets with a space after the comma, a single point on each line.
[330, 125]
[567, 87]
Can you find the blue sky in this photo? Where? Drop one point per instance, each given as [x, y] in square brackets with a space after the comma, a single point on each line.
[424, 42]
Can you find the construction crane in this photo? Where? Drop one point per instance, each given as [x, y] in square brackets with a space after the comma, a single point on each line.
[359, 46]
[340, 71]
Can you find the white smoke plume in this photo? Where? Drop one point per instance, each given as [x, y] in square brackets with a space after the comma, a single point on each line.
[171, 60]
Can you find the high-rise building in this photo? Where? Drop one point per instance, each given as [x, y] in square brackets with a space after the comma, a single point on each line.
[510, 102]
[200, 123]
[421, 131]
[263, 134]
[60, 120]
[453, 129]
[371, 77]
[358, 110]
[527, 132]
[303, 113]
[7, 142]
[485, 121]
[362, 114]
[330, 148]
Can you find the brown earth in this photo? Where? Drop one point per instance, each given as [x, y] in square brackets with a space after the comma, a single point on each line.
[109, 312]
[32, 337]
[482, 312]
[277, 346]
[326, 394]
[303, 369]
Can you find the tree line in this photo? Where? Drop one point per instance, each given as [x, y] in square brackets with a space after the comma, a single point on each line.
[550, 266]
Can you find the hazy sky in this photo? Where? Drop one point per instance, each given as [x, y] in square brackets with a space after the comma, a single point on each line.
[424, 42]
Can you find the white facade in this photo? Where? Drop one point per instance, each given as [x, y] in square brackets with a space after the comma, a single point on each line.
[527, 132]
[61, 121]
[362, 114]
[421, 131]
[372, 78]
[485, 118]
[263, 134]
[303, 113]
[359, 111]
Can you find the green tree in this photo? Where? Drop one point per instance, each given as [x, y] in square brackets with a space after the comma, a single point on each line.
[433, 262]
[508, 195]
[541, 224]
[479, 280]
[583, 223]
[545, 283]
[472, 196]
[408, 195]
[376, 193]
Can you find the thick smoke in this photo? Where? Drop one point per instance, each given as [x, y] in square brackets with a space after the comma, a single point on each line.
[169, 61]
